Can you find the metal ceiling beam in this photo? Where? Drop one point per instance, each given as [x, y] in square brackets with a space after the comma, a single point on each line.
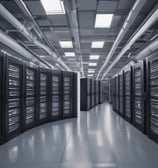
[148, 22]
[127, 23]
[71, 10]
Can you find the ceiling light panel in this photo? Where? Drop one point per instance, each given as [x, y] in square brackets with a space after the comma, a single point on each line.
[92, 64]
[66, 44]
[69, 54]
[53, 7]
[103, 20]
[97, 44]
[94, 57]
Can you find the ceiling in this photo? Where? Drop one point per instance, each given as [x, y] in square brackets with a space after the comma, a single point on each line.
[57, 28]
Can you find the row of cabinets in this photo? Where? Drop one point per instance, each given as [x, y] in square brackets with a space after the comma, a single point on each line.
[30, 95]
[91, 93]
[135, 96]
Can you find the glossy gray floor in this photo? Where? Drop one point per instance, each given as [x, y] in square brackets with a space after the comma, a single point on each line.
[99, 138]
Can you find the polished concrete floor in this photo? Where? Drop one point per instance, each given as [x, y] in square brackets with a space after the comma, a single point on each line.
[99, 138]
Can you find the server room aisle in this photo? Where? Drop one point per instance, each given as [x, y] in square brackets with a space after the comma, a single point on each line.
[98, 139]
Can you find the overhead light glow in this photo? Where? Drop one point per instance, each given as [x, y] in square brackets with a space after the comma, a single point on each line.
[103, 20]
[66, 44]
[53, 7]
[69, 54]
[94, 57]
[97, 44]
[92, 64]
[90, 75]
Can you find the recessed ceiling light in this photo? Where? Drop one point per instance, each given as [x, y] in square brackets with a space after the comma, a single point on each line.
[66, 44]
[92, 64]
[69, 54]
[90, 74]
[94, 57]
[53, 7]
[97, 44]
[103, 20]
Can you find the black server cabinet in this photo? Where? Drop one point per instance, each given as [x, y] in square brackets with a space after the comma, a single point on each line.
[43, 95]
[85, 94]
[152, 115]
[117, 94]
[67, 91]
[75, 91]
[110, 91]
[92, 93]
[128, 95]
[30, 96]
[139, 116]
[114, 93]
[121, 94]
[100, 92]
[1, 98]
[96, 92]
[12, 97]
[56, 95]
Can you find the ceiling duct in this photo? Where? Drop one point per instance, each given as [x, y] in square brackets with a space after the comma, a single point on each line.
[70, 7]
[11, 19]
[151, 19]
[127, 23]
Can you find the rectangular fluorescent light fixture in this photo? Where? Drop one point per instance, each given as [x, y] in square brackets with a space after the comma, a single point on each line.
[94, 57]
[66, 44]
[90, 74]
[103, 20]
[92, 64]
[97, 44]
[69, 54]
[53, 7]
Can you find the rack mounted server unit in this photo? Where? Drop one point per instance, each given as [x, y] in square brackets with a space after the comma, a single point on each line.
[128, 114]
[30, 96]
[100, 92]
[114, 93]
[117, 94]
[96, 92]
[139, 90]
[43, 95]
[152, 115]
[85, 94]
[92, 93]
[121, 94]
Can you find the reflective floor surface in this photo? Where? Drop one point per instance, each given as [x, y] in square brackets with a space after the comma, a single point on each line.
[99, 138]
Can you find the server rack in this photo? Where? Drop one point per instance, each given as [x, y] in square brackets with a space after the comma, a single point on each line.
[121, 94]
[128, 95]
[30, 96]
[56, 95]
[43, 95]
[139, 116]
[110, 91]
[100, 92]
[92, 93]
[67, 90]
[75, 91]
[117, 94]
[1, 98]
[96, 92]
[152, 122]
[85, 94]
[12, 97]
[114, 93]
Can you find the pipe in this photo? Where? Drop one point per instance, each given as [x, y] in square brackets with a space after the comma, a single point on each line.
[72, 15]
[139, 32]
[11, 19]
[153, 46]
[127, 23]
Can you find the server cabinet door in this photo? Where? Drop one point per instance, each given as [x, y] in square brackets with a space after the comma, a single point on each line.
[100, 92]
[67, 90]
[30, 97]
[114, 93]
[43, 95]
[12, 97]
[153, 100]
[128, 95]
[117, 94]
[75, 92]
[56, 97]
[1, 99]
[138, 88]
[121, 94]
